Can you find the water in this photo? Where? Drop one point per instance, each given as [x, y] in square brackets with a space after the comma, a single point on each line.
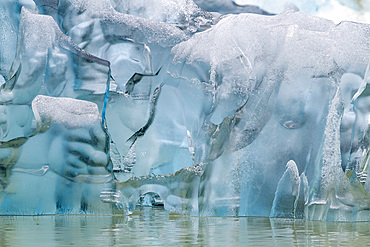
[156, 227]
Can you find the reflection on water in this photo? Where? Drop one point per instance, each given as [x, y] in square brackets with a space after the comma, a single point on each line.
[156, 227]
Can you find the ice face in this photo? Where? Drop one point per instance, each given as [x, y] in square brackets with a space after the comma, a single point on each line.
[140, 46]
[69, 154]
[248, 112]
[113, 102]
[35, 139]
[10, 13]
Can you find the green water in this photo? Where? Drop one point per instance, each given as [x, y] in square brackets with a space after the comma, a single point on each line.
[156, 227]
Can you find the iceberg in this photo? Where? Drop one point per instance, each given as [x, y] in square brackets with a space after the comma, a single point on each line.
[110, 104]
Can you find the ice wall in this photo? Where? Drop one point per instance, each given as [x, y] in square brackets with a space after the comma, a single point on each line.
[110, 101]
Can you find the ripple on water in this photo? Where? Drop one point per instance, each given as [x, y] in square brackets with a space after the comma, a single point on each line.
[156, 227]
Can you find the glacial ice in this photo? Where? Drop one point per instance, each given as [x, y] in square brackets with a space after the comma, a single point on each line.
[108, 104]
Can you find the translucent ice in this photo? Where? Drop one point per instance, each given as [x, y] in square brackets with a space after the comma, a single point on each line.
[248, 111]
[184, 14]
[39, 134]
[68, 153]
[9, 19]
[112, 103]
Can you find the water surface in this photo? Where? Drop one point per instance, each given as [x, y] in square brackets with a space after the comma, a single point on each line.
[156, 227]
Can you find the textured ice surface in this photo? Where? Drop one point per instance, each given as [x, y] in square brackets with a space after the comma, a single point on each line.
[112, 103]
[9, 19]
[57, 139]
[184, 14]
[62, 169]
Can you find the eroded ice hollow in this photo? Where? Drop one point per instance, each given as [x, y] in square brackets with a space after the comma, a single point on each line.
[109, 103]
